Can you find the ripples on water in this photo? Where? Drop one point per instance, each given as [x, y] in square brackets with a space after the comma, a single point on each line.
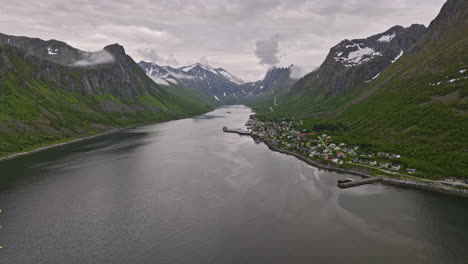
[184, 192]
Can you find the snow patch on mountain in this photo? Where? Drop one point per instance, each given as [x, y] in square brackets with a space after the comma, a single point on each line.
[398, 56]
[159, 81]
[356, 57]
[387, 38]
[229, 76]
[52, 51]
[188, 68]
[373, 78]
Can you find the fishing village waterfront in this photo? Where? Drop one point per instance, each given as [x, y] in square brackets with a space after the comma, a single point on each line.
[318, 150]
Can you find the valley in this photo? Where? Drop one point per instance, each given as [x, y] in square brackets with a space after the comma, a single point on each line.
[399, 91]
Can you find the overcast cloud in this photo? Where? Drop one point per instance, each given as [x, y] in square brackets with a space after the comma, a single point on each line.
[267, 51]
[226, 33]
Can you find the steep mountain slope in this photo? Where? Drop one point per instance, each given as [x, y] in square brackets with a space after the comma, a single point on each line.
[46, 98]
[216, 83]
[416, 107]
[275, 81]
[351, 66]
[420, 105]
[269, 92]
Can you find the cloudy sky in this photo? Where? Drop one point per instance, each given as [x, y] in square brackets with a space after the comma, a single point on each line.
[242, 36]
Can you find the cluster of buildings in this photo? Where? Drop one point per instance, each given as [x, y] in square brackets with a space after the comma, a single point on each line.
[283, 134]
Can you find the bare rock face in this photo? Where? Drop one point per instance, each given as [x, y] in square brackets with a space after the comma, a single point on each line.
[109, 70]
[359, 60]
[276, 81]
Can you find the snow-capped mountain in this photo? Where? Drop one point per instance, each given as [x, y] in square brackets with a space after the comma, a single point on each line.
[352, 62]
[216, 82]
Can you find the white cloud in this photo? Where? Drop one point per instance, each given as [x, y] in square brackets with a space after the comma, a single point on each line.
[94, 58]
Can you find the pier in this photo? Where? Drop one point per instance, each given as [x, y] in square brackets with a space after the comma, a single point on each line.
[354, 183]
[237, 131]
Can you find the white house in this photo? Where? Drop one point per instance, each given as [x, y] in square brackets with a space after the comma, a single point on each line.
[396, 167]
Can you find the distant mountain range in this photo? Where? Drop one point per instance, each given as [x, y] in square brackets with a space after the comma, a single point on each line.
[217, 83]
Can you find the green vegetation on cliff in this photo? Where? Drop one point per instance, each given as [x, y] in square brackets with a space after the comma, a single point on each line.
[41, 103]
[417, 107]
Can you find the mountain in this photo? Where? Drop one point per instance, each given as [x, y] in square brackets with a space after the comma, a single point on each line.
[57, 51]
[353, 64]
[275, 80]
[417, 106]
[269, 91]
[217, 83]
[51, 92]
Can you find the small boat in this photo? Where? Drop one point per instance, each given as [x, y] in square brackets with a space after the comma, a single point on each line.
[257, 141]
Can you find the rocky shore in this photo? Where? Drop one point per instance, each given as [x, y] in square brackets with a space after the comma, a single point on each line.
[429, 186]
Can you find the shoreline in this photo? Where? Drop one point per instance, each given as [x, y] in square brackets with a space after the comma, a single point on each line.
[25, 153]
[21, 154]
[434, 187]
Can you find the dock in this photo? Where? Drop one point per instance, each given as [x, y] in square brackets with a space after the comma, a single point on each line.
[237, 131]
[349, 184]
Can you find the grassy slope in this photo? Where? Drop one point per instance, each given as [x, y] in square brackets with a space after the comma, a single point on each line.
[401, 112]
[35, 111]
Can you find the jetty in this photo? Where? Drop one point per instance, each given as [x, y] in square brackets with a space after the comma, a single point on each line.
[348, 183]
[237, 131]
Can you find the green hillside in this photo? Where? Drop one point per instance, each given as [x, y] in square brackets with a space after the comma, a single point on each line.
[417, 107]
[40, 105]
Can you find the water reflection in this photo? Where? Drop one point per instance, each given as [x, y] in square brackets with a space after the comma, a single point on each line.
[185, 192]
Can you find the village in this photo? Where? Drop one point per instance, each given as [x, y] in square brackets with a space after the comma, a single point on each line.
[321, 148]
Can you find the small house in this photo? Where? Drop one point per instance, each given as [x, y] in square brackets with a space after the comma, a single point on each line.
[396, 167]
[410, 170]
[384, 164]
[373, 162]
[449, 179]
[341, 155]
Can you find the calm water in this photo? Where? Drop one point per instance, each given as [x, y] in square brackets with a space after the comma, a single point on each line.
[184, 192]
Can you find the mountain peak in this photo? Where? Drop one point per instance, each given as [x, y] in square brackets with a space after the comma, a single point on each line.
[115, 49]
[452, 16]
